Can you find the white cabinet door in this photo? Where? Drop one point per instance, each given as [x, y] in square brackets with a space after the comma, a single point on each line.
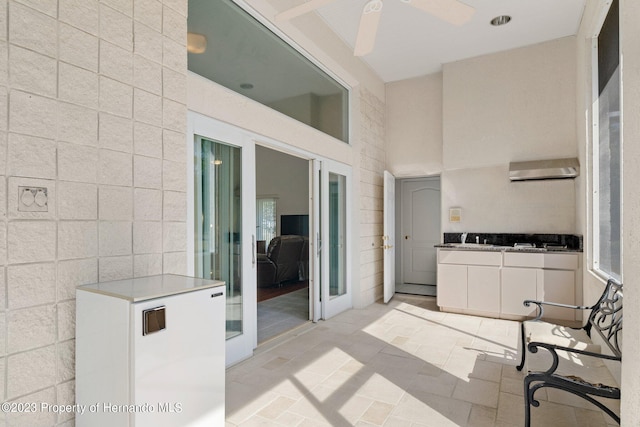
[452, 286]
[558, 286]
[518, 284]
[483, 289]
[179, 371]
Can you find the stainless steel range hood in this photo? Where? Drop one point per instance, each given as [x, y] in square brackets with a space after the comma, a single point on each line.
[544, 169]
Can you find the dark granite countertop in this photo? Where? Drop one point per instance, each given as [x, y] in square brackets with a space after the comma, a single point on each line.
[513, 242]
[498, 248]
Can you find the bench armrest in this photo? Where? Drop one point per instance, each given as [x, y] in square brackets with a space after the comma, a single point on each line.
[533, 348]
[540, 305]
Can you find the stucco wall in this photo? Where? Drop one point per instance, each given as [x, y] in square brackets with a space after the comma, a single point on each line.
[371, 168]
[510, 106]
[492, 203]
[92, 107]
[414, 126]
[630, 46]
[469, 122]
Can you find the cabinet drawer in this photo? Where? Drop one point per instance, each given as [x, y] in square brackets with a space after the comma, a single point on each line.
[469, 257]
[521, 259]
[541, 260]
[561, 261]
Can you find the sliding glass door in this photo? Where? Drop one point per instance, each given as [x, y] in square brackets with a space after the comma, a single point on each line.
[224, 225]
[218, 210]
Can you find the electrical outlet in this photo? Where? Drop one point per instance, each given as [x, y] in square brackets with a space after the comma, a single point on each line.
[33, 199]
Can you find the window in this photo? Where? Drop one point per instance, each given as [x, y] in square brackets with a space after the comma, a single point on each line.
[607, 150]
[266, 219]
[230, 47]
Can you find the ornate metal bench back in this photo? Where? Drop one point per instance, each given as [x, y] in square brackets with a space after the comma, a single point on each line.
[606, 317]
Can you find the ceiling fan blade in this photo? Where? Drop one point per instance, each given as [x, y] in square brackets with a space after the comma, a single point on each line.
[451, 11]
[368, 28]
[306, 7]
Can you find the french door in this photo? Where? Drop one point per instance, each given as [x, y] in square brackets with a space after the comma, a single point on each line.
[389, 237]
[222, 214]
[332, 244]
[222, 188]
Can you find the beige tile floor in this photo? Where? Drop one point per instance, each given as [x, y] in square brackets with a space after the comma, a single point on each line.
[401, 364]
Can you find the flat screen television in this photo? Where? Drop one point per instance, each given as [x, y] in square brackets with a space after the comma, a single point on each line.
[294, 224]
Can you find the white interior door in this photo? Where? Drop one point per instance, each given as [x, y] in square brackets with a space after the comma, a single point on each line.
[420, 230]
[221, 219]
[335, 245]
[389, 237]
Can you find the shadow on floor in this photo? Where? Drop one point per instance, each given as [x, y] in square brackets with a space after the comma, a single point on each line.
[404, 363]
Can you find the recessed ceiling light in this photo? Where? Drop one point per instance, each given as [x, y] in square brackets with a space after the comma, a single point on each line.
[500, 20]
[246, 86]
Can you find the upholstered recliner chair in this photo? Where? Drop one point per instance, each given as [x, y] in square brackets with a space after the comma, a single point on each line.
[281, 262]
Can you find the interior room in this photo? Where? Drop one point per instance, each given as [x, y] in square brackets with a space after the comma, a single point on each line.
[147, 145]
[282, 188]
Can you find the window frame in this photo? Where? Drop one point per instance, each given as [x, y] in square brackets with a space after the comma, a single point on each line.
[595, 154]
[259, 228]
[347, 116]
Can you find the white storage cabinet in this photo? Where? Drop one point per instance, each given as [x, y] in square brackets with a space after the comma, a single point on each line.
[495, 283]
[469, 280]
[539, 276]
[150, 352]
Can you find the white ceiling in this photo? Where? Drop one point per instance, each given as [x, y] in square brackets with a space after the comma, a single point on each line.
[412, 43]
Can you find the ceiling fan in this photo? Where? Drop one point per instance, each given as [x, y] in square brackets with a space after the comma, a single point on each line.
[451, 11]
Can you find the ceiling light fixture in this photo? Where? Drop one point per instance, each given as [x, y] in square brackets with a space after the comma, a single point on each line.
[500, 20]
[196, 43]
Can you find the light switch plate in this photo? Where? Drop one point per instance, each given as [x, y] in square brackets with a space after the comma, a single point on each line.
[455, 214]
[33, 199]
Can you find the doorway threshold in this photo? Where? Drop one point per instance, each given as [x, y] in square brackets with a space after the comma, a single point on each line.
[284, 337]
[414, 289]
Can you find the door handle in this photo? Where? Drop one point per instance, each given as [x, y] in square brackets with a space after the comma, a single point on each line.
[253, 249]
[319, 243]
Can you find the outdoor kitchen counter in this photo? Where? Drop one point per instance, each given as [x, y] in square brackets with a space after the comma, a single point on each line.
[494, 280]
[499, 248]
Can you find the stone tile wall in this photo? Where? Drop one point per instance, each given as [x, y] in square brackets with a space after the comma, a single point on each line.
[372, 164]
[92, 108]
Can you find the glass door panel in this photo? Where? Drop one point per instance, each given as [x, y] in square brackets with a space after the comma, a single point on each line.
[222, 214]
[218, 211]
[337, 235]
[335, 252]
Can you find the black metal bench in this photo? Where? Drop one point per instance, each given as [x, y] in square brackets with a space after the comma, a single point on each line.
[574, 343]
